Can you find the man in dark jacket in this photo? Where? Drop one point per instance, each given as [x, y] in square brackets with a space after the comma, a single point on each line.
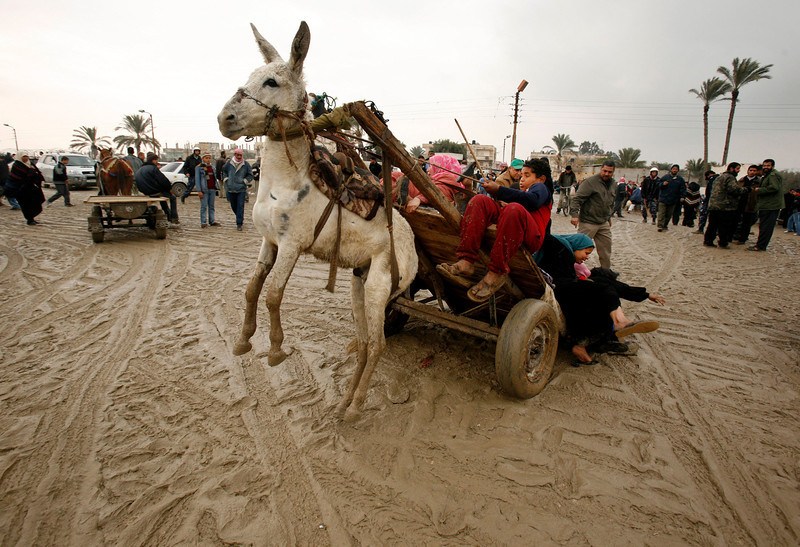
[188, 169]
[152, 182]
[770, 202]
[710, 176]
[671, 190]
[565, 181]
[722, 207]
[650, 195]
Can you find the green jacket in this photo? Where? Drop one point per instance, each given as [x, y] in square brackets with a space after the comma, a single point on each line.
[770, 193]
[726, 193]
[593, 201]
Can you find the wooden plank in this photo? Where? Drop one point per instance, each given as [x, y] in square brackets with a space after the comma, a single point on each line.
[433, 315]
[108, 200]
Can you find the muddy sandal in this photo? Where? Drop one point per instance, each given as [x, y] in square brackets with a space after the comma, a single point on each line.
[449, 272]
[483, 290]
[635, 328]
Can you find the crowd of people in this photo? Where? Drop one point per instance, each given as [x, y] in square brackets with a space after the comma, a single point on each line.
[519, 200]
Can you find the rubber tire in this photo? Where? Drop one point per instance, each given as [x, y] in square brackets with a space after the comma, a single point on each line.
[96, 218]
[526, 348]
[161, 229]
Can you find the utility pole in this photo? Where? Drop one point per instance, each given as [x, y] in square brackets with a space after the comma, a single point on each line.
[522, 85]
[16, 144]
[152, 129]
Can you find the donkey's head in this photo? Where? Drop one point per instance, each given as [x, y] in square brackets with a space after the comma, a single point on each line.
[276, 84]
[105, 153]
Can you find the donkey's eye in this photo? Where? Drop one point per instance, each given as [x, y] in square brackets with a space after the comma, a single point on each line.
[270, 82]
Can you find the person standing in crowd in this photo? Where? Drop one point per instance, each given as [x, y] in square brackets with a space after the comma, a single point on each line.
[237, 174]
[770, 202]
[3, 177]
[591, 210]
[510, 177]
[7, 160]
[375, 168]
[221, 160]
[746, 213]
[25, 185]
[690, 203]
[671, 190]
[152, 182]
[710, 176]
[620, 197]
[133, 161]
[650, 186]
[61, 180]
[722, 207]
[566, 181]
[188, 169]
[206, 182]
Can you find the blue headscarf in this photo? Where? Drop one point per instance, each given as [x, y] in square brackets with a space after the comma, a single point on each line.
[575, 242]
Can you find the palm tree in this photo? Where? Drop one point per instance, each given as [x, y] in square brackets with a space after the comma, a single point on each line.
[86, 138]
[629, 157]
[711, 90]
[744, 72]
[563, 143]
[696, 168]
[138, 133]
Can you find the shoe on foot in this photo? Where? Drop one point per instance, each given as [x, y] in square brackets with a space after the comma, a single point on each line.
[215, 224]
[204, 225]
[709, 244]
[239, 228]
[69, 205]
[636, 327]
[32, 223]
[754, 248]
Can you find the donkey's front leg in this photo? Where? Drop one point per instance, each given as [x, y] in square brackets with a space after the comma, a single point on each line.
[266, 258]
[284, 265]
[375, 298]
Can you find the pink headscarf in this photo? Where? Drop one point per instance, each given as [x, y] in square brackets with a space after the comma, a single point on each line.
[443, 160]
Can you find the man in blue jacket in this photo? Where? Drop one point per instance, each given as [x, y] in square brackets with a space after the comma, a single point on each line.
[671, 191]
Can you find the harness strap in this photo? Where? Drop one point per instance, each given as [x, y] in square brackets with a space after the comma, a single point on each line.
[335, 200]
[387, 204]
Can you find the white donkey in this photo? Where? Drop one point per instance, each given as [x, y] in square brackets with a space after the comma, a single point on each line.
[289, 206]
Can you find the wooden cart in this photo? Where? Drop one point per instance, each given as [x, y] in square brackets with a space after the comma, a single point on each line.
[120, 212]
[524, 327]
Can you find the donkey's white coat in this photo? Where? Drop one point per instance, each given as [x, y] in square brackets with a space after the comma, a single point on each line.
[287, 209]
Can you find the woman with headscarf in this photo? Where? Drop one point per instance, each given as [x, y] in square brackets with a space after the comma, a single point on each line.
[25, 184]
[591, 306]
[444, 171]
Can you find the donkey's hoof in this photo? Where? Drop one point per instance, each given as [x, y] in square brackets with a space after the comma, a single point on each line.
[275, 358]
[352, 414]
[241, 347]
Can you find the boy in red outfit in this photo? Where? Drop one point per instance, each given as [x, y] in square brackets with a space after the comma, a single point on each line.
[522, 216]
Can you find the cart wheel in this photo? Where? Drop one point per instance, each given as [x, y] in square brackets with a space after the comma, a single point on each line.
[161, 225]
[96, 225]
[150, 218]
[526, 348]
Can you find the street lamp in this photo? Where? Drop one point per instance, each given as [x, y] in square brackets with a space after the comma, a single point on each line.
[16, 144]
[152, 129]
[504, 147]
[520, 88]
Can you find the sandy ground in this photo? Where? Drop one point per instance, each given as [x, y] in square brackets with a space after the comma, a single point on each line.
[126, 420]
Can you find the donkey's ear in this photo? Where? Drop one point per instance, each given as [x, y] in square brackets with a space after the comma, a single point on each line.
[269, 53]
[300, 47]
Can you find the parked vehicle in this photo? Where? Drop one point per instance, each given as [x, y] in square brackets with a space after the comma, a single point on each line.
[172, 170]
[81, 169]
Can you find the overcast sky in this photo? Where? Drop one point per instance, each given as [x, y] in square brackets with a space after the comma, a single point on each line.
[614, 72]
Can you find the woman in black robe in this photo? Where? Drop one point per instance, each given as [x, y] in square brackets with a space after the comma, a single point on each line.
[591, 306]
[25, 184]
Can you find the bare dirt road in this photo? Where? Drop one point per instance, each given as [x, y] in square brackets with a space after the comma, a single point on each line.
[126, 420]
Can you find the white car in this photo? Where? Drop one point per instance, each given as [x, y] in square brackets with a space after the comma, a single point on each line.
[81, 170]
[172, 170]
